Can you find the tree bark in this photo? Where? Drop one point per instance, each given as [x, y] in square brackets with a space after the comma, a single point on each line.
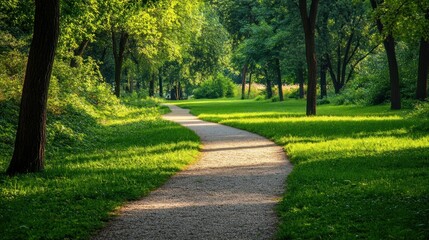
[243, 81]
[309, 25]
[389, 45]
[323, 73]
[161, 90]
[118, 53]
[300, 78]
[152, 85]
[422, 79]
[395, 90]
[29, 152]
[179, 91]
[279, 79]
[269, 88]
[250, 84]
[79, 52]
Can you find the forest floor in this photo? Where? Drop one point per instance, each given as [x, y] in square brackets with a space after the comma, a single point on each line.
[230, 193]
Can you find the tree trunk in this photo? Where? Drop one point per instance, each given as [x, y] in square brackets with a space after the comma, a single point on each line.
[79, 53]
[103, 55]
[118, 53]
[29, 152]
[389, 45]
[300, 79]
[152, 85]
[279, 79]
[395, 90]
[323, 72]
[130, 83]
[161, 90]
[243, 81]
[179, 91]
[309, 24]
[422, 80]
[250, 85]
[173, 93]
[269, 89]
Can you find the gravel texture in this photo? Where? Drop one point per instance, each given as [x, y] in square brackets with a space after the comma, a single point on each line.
[230, 193]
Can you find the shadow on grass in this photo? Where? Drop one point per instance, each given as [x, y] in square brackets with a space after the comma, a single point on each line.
[293, 130]
[371, 197]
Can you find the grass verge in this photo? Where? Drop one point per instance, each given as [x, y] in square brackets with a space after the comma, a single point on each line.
[94, 164]
[359, 172]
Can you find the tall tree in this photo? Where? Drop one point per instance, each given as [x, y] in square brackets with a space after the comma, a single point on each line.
[308, 17]
[29, 152]
[422, 77]
[423, 70]
[118, 54]
[389, 45]
[344, 32]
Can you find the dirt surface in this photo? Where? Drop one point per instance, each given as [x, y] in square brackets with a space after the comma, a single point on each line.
[230, 193]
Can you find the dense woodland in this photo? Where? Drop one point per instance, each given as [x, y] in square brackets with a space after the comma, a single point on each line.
[344, 52]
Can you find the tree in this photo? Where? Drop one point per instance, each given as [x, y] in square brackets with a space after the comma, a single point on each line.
[236, 16]
[118, 47]
[29, 152]
[308, 18]
[423, 71]
[409, 20]
[344, 31]
[389, 45]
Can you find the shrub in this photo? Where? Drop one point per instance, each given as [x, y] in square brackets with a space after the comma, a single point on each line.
[12, 70]
[215, 87]
[323, 101]
[260, 98]
[275, 98]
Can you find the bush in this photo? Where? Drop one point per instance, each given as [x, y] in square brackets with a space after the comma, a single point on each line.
[291, 91]
[275, 98]
[260, 98]
[12, 70]
[76, 97]
[215, 87]
[371, 86]
[323, 101]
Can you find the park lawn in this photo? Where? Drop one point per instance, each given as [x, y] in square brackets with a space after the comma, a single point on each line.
[93, 165]
[359, 172]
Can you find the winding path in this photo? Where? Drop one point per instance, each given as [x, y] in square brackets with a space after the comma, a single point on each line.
[230, 193]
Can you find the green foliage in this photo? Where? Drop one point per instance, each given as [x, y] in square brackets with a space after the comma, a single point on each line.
[323, 101]
[84, 81]
[12, 67]
[359, 172]
[275, 98]
[215, 87]
[371, 86]
[259, 98]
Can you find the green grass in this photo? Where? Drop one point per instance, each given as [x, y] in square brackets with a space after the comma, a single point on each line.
[94, 164]
[359, 172]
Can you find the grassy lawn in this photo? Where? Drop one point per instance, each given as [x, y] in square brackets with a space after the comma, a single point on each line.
[93, 166]
[359, 172]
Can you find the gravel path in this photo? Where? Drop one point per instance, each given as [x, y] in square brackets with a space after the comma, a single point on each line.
[230, 193]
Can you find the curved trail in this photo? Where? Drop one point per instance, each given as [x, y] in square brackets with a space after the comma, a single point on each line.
[230, 193]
